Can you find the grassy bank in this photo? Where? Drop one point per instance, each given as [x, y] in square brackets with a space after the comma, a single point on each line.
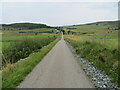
[13, 51]
[13, 74]
[100, 54]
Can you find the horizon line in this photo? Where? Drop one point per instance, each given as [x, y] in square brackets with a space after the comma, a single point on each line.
[59, 25]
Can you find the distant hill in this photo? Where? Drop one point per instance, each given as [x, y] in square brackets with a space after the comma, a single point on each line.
[102, 25]
[113, 23]
[20, 26]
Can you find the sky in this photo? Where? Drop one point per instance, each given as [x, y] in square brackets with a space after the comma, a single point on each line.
[59, 13]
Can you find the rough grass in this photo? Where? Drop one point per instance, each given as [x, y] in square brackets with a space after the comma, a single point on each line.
[26, 36]
[21, 49]
[111, 43]
[100, 54]
[13, 74]
[98, 44]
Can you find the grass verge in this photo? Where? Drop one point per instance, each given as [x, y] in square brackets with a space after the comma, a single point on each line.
[103, 58]
[14, 51]
[13, 74]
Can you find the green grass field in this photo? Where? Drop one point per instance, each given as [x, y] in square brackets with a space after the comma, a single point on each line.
[98, 45]
[13, 74]
[23, 46]
[93, 26]
[16, 46]
[27, 32]
[10, 36]
[29, 36]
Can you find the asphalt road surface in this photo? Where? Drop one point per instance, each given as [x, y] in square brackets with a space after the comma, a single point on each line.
[58, 69]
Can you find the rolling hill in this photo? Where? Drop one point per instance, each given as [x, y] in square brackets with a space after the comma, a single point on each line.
[20, 26]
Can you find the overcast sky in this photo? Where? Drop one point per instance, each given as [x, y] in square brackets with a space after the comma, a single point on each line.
[58, 13]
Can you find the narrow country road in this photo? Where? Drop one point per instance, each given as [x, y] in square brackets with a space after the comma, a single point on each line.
[58, 69]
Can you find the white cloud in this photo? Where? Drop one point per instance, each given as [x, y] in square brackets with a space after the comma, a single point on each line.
[60, 0]
[59, 13]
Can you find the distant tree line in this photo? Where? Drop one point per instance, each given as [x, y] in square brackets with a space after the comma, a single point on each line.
[20, 26]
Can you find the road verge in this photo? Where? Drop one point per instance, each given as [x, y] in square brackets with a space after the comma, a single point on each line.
[13, 74]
